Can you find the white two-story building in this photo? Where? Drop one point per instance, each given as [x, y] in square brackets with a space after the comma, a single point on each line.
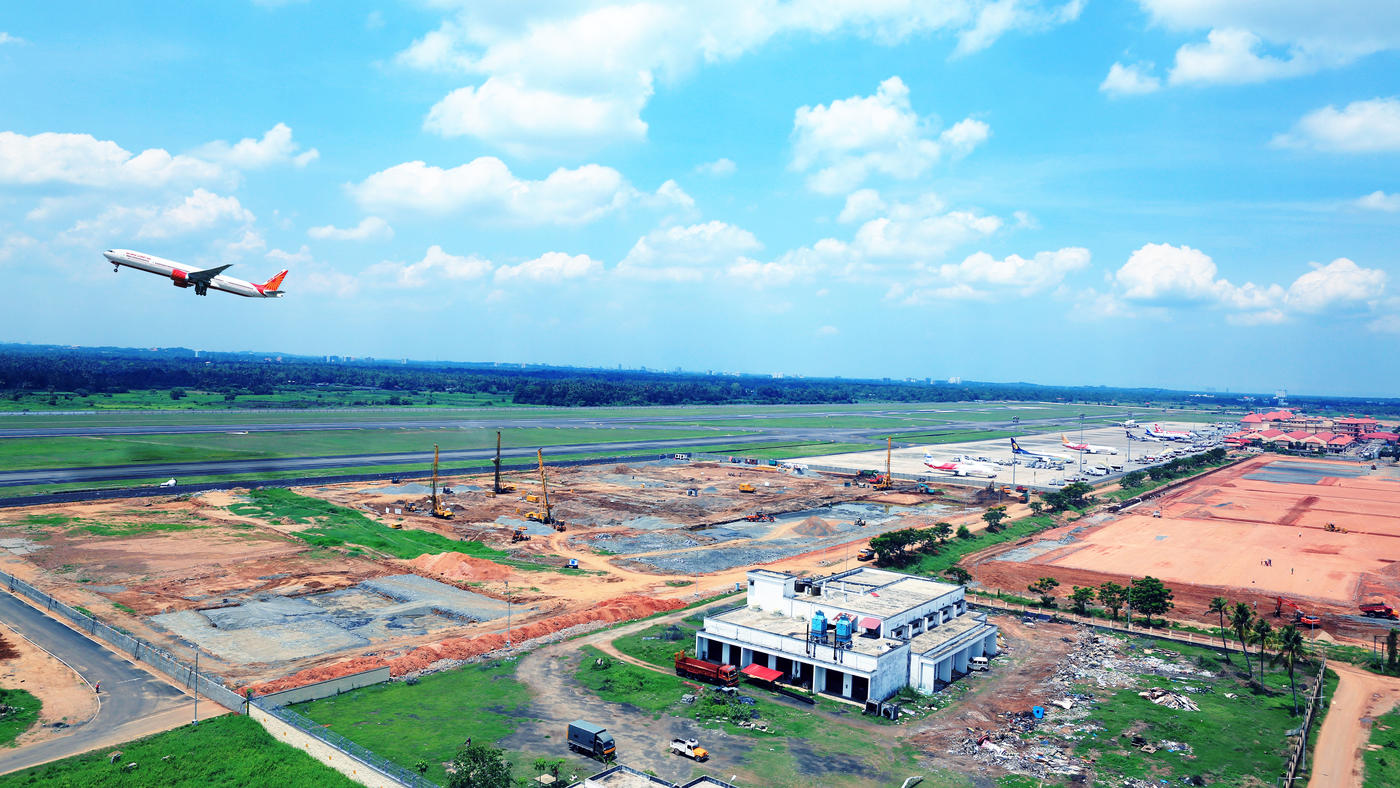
[903, 631]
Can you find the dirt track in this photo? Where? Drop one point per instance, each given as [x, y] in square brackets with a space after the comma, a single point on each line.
[1361, 695]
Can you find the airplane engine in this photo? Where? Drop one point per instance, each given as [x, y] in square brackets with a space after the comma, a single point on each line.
[178, 278]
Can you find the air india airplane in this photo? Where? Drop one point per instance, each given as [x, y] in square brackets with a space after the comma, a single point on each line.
[1087, 447]
[186, 276]
[960, 466]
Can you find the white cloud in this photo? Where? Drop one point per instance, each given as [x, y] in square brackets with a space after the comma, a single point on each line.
[15, 247]
[1170, 275]
[6, 38]
[687, 253]
[530, 121]
[370, 228]
[435, 267]
[719, 168]
[1133, 80]
[1312, 36]
[849, 139]
[1385, 324]
[533, 64]
[199, 211]
[669, 194]
[861, 205]
[275, 147]
[1026, 276]
[920, 231]
[486, 187]
[1231, 57]
[1380, 201]
[302, 255]
[1339, 282]
[1371, 126]
[551, 267]
[84, 160]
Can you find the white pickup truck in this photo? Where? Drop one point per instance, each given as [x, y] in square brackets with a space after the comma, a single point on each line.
[689, 748]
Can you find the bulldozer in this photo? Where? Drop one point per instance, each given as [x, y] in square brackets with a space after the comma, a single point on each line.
[519, 535]
[439, 510]
[745, 487]
[1334, 528]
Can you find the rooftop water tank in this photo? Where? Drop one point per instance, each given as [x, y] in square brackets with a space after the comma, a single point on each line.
[843, 630]
[819, 625]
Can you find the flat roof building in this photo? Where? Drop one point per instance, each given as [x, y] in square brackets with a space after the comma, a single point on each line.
[860, 635]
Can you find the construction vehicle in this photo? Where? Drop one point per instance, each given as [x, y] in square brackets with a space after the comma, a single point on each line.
[758, 517]
[866, 555]
[885, 482]
[439, 510]
[745, 487]
[1378, 609]
[723, 675]
[519, 535]
[592, 740]
[1334, 528]
[498, 488]
[547, 516]
[689, 748]
[928, 489]
[573, 563]
[1299, 617]
[532, 498]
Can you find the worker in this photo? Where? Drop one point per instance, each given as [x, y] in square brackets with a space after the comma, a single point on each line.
[97, 687]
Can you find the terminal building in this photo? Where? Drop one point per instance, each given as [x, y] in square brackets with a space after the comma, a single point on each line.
[860, 635]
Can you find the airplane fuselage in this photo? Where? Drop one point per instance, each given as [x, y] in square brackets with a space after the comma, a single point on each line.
[179, 275]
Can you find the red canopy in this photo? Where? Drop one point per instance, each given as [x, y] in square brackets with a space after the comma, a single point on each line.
[870, 623]
[761, 673]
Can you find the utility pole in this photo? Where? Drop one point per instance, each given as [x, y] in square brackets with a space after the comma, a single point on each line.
[507, 615]
[196, 686]
[1081, 443]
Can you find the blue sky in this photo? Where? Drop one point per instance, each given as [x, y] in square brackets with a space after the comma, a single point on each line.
[1185, 193]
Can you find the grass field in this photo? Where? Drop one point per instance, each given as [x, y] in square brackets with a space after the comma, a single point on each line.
[1383, 758]
[955, 549]
[329, 525]
[427, 722]
[651, 644]
[160, 399]
[1236, 741]
[231, 751]
[957, 437]
[23, 712]
[80, 452]
[783, 451]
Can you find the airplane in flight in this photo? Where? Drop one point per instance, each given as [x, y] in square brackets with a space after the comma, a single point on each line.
[1087, 448]
[1016, 449]
[187, 276]
[1156, 431]
[960, 466]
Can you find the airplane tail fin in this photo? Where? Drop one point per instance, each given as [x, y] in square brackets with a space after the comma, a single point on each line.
[275, 282]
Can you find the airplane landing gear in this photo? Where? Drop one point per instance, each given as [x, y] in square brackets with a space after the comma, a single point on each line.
[201, 289]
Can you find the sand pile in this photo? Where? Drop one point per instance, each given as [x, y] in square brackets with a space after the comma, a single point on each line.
[815, 526]
[621, 470]
[623, 608]
[455, 566]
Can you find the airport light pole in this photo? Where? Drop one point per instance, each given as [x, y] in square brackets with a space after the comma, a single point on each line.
[1081, 443]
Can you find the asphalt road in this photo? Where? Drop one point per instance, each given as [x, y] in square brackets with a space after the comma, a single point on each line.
[130, 696]
[283, 464]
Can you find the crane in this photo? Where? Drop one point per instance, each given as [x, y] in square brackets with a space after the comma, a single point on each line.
[886, 482]
[438, 509]
[498, 488]
[547, 516]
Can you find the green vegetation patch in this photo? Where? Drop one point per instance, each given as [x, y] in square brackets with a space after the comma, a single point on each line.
[329, 525]
[659, 644]
[19, 710]
[955, 548]
[783, 451]
[231, 751]
[1383, 756]
[429, 720]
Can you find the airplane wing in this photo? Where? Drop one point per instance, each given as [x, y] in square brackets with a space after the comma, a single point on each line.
[206, 274]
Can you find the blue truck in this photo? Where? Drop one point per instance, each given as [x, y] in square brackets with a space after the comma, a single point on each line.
[593, 740]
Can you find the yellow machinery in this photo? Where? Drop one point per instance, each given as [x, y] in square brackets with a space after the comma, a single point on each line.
[438, 509]
[1333, 527]
[532, 498]
[885, 482]
[547, 516]
[498, 488]
[745, 487]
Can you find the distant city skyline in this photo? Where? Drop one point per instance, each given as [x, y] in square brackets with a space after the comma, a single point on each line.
[1161, 193]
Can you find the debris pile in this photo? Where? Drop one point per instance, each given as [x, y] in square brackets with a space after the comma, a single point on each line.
[1172, 700]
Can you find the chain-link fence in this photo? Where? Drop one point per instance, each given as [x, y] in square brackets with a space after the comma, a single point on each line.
[390, 769]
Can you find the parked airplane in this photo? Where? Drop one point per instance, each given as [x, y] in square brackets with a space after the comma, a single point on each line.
[1017, 450]
[1156, 431]
[1125, 424]
[1086, 447]
[1143, 437]
[201, 280]
[960, 466]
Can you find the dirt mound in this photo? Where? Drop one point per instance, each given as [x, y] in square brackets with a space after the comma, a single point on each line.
[621, 470]
[455, 566]
[623, 608]
[815, 526]
[318, 673]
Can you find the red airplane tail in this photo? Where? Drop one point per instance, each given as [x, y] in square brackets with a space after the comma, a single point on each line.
[275, 282]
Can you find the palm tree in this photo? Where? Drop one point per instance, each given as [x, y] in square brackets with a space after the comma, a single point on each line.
[1240, 620]
[1220, 605]
[1290, 652]
[1263, 636]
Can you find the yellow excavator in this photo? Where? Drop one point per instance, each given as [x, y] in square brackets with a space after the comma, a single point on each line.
[438, 509]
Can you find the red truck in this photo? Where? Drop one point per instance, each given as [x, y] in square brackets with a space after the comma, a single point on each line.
[1378, 610]
[723, 675]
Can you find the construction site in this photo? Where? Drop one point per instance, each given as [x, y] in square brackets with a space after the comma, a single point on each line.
[1311, 540]
[272, 596]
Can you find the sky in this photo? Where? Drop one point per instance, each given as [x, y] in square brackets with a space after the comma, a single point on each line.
[1199, 194]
